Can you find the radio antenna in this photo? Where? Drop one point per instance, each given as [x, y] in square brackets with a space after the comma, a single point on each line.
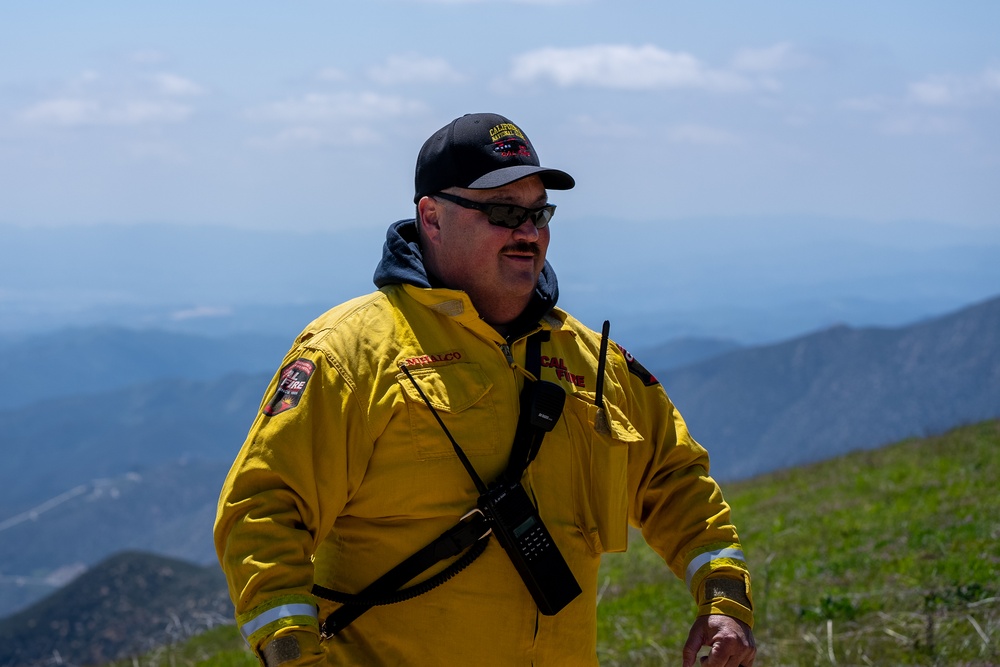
[601, 424]
[601, 362]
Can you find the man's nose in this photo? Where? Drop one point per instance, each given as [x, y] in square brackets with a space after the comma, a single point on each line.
[526, 231]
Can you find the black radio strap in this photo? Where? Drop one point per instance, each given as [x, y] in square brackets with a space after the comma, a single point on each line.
[473, 529]
[528, 436]
[533, 352]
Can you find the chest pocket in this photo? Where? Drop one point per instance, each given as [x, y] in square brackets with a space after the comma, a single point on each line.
[461, 395]
[600, 473]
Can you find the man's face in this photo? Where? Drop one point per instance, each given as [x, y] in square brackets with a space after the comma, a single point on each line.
[496, 266]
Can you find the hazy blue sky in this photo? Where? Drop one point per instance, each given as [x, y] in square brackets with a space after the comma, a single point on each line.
[309, 113]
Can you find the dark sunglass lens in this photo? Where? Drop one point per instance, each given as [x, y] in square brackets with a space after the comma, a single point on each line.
[513, 217]
[510, 217]
[542, 216]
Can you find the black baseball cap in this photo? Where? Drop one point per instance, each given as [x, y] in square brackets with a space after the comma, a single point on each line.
[480, 151]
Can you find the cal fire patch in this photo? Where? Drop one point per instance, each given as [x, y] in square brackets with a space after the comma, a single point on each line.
[291, 386]
[637, 369]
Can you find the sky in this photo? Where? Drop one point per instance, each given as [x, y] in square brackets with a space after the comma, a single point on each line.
[308, 114]
[753, 170]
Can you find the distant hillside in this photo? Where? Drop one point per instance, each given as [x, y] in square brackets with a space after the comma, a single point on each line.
[90, 475]
[168, 509]
[753, 279]
[75, 361]
[686, 351]
[52, 447]
[840, 389]
[181, 277]
[126, 605]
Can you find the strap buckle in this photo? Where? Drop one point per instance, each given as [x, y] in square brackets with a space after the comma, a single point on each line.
[469, 529]
[469, 517]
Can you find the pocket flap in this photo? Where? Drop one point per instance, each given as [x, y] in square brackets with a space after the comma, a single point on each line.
[452, 388]
[621, 428]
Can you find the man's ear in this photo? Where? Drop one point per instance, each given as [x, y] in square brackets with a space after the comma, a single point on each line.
[428, 212]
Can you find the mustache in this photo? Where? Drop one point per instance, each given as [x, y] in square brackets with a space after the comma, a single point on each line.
[523, 247]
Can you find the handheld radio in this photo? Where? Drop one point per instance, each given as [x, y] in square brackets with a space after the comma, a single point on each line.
[521, 533]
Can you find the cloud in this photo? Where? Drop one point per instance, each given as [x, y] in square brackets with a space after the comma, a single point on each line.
[93, 99]
[148, 57]
[604, 128]
[900, 117]
[598, 129]
[61, 112]
[930, 106]
[335, 107]
[158, 152]
[84, 80]
[332, 74]
[917, 124]
[413, 68]
[872, 103]
[955, 90]
[624, 67]
[171, 84]
[780, 56]
[306, 136]
[701, 135]
[991, 79]
[71, 112]
[512, 2]
[200, 312]
[938, 92]
[340, 119]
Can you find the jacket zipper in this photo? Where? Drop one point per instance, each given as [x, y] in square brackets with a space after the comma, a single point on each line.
[505, 348]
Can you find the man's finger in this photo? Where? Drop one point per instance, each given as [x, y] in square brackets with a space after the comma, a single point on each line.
[721, 656]
[691, 647]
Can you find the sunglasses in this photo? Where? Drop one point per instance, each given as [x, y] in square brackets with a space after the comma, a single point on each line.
[504, 215]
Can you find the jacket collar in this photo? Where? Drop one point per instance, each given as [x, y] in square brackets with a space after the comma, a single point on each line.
[403, 263]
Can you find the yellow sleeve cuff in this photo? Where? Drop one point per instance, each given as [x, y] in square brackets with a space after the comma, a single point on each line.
[727, 596]
[292, 647]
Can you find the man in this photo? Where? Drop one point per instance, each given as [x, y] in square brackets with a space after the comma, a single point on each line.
[350, 469]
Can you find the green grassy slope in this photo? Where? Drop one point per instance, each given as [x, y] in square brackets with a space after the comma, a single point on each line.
[887, 557]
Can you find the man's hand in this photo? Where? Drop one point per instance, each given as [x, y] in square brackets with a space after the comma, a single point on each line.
[731, 641]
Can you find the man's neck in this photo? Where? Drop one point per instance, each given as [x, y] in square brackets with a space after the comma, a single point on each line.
[526, 320]
[502, 329]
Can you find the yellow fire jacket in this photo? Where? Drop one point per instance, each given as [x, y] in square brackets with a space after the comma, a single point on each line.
[345, 473]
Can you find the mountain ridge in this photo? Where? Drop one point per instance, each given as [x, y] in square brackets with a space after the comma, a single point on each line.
[774, 277]
[840, 389]
[127, 604]
[86, 360]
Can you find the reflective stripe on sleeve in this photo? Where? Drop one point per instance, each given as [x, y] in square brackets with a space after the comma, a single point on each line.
[276, 614]
[709, 556]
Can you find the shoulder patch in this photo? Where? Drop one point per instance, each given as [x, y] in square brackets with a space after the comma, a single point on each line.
[291, 385]
[637, 369]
